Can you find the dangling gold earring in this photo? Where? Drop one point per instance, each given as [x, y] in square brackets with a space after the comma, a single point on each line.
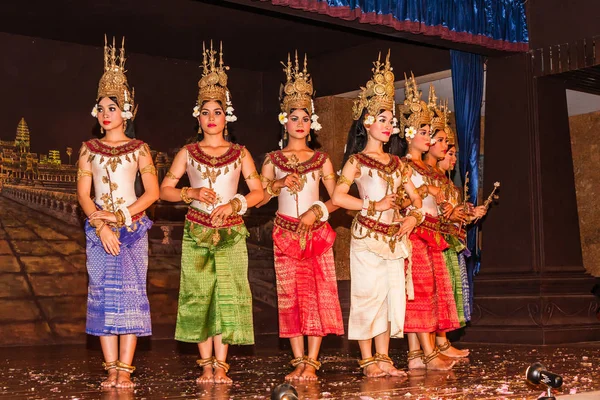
[225, 132]
[284, 133]
[199, 129]
[309, 139]
[101, 130]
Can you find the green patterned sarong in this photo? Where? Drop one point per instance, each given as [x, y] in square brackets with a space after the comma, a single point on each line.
[214, 293]
[451, 259]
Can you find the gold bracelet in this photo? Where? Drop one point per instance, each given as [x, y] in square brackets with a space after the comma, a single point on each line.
[317, 211]
[236, 205]
[184, 196]
[272, 191]
[371, 210]
[417, 215]
[99, 228]
[343, 180]
[120, 218]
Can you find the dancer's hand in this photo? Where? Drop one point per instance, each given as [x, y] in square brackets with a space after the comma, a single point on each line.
[458, 215]
[446, 209]
[407, 226]
[291, 181]
[109, 240]
[203, 194]
[388, 202]
[307, 220]
[102, 216]
[479, 212]
[217, 217]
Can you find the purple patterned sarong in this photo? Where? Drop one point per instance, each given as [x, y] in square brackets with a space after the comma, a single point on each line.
[117, 301]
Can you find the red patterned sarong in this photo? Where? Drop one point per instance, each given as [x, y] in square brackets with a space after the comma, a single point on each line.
[307, 294]
[433, 308]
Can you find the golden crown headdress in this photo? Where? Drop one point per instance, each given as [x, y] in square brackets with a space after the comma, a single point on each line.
[297, 92]
[298, 89]
[447, 128]
[438, 121]
[379, 91]
[212, 86]
[414, 111]
[113, 82]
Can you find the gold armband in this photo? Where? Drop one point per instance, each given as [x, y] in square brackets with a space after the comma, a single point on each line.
[184, 196]
[171, 175]
[83, 172]
[343, 180]
[332, 175]
[418, 216]
[253, 175]
[148, 169]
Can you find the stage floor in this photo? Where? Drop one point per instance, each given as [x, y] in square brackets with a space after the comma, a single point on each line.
[166, 371]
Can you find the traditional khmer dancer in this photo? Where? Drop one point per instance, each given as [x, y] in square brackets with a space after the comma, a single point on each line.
[307, 292]
[116, 240]
[379, 245]
[215, 303]
[433, 308]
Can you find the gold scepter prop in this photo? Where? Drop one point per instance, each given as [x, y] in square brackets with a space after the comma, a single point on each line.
[465, 196]
[493, 196]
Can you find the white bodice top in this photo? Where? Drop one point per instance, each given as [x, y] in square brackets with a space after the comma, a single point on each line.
[310, 171]
[420, 177]
[378, 180]
[221, 173]
[114, 170]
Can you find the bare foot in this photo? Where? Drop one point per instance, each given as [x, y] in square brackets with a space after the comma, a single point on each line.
[437, 364]
[111, 379]
[373, 371]
[416, 363]
[296, 373]
[309, 374]
[207, 375]
[124, 380]
[453, 352]
[389, 369]
[221, 376]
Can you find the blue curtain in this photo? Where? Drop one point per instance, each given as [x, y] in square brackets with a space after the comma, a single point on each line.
[499, 24]
[467, 86]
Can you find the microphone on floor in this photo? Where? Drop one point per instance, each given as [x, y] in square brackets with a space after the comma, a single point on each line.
[536, 374]
[285, 391]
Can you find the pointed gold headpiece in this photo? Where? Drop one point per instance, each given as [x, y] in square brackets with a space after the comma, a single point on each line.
[447, 128]
[298, 89]
[113, 82]
[379, 92]
[438, 121]
[414, 112]
[213, 83]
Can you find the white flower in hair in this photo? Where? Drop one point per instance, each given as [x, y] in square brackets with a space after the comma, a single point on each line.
[410, 132]
[316, 126]
[314, 117]
[283, 118]
[95, 111]
[280, 144]
[126, 114]
[196, 112]
[229, 110]
[395, 131]
[432, 141]
[369, 120]
[230, 118]
[127, 107]
[395, 121]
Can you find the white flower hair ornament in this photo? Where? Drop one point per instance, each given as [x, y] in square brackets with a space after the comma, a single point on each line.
[280, 144]
[370, 120]
[410, 132]
[396, 130]
[126, 113]
[314, 125]
[196, 112]
[432, 141]
[229, 117]
[95, 111]
[283, 118]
